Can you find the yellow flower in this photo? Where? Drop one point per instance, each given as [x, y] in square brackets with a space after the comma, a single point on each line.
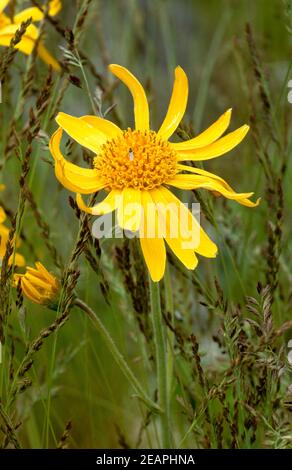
[137, 167]
[4, 235]
[8, 28]
[38, 285]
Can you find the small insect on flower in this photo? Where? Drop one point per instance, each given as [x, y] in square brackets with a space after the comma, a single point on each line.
[38, 285]
[9, 26]
[15, 258]
[137, 166]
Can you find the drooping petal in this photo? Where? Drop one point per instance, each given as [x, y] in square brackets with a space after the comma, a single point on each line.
[110, 203]
[129, 210]
[177, 105]
[208, 136]
[82, 131]
[76, 184]
[216, 149]
[152, 245]
[47, 57]
[183, 224]
[141, 109]
[36, 14]
[211, 182]
[77, 170]
[73, 177]
[199, 171]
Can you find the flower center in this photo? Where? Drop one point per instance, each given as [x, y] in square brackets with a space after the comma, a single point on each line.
[136, 159]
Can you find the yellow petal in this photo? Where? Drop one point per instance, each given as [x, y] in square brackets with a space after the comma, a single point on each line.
[218, 148]
[32, 12]
[110, 203]
[102, 126]
[45, 273]
[82, 131]
[183, 224]
[4, 20]
[57, 136]
[17, 260]
[186, 256]
[2, 215]
[27, 42]
[199, 171]
[73, 177]
[46, 56]
[153, 247]
[3, 4]
[30, 292]
[177, 105]
[196, 182]
[2, 250]
[36, 281]
[217, 178]
[4, 233]
[208, 136]
[33, 272]
[129, 210]
[176, 242]
[36, 14]
[54, 7]
[141, 109]
[211, 182]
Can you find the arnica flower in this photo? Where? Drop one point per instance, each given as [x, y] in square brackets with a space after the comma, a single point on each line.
[137, 166]
[16, 258]
[9, 26]
[38, 285]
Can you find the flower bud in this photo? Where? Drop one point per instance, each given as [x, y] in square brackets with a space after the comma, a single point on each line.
[38, 285]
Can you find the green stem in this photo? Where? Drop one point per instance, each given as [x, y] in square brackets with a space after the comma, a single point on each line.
[93, 105]
[117, 355]
[161, 362]
[170, 335]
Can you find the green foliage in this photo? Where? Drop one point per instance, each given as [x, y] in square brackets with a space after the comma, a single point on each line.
[229, 322]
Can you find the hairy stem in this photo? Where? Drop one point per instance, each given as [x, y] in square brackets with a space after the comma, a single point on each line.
[170, 335]
[161, 362]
